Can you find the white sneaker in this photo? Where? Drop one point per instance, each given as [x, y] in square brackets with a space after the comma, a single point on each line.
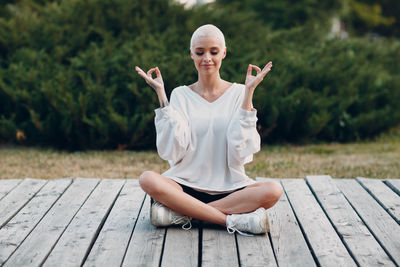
[161, 215]
[255, 222]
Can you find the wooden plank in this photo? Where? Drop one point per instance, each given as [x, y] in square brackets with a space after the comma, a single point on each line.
[6, 185]
[35, 248]
[219, 248]
[388, 199]
[181, 247]
[113, 239]
[394, 184]
[15, 231]
[325, 243]
[363, 246]
[72, 248]
[17, 198]
[378, 221]
[288, 241]
[289, 244]
[255, 251]
[146, 244]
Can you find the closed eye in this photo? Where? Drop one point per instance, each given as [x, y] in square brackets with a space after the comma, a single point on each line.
[212, 53]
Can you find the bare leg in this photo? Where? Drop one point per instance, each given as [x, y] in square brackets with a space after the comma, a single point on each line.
[261, 194]
[170, 193]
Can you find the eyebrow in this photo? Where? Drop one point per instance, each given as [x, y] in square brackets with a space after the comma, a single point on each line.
[214, 47]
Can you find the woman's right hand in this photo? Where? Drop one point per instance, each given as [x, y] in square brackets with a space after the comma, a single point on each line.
[157, 83]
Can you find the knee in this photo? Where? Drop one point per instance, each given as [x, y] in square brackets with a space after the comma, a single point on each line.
[272, 192]
[147, 181]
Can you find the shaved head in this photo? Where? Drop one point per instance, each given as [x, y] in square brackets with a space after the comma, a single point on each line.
[207, 30]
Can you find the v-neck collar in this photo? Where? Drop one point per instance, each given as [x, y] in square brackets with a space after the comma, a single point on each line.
[206, 101]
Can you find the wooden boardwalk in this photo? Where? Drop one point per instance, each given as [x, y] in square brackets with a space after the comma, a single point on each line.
[319, 221]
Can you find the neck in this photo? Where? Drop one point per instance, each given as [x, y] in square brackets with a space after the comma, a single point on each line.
[209, 83]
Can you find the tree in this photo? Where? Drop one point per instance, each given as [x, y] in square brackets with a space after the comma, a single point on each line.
[366, 16]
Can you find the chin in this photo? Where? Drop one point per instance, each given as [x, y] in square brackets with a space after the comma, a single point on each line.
[208, 71]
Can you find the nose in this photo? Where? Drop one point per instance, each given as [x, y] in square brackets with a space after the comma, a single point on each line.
[207, 57]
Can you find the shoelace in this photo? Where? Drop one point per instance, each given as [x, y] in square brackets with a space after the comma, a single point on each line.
[232, 229]
[183, 219]
[186, 220]
[157, 204]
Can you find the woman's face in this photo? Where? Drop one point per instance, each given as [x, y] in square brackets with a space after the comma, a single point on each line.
[207, 53]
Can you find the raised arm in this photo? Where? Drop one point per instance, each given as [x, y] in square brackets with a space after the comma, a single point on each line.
[252, 82]
[243, 138]
[156, 83]
[173, 133]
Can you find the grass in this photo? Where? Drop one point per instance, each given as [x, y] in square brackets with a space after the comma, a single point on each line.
[379, 158]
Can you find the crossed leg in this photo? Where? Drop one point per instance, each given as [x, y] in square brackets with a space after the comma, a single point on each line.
[168, 192]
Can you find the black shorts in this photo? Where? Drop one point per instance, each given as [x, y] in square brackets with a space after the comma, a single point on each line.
[205, 197]
[202, 196]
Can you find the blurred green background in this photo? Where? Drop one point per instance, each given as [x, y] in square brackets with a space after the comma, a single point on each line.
[67, 76]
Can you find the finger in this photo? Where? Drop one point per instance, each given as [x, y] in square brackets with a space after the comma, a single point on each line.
[249, 69]
[150, 72]
[257, 69]
[141, 73]
[265, 71]
[268, 66]
[139, 70]
[158, 73]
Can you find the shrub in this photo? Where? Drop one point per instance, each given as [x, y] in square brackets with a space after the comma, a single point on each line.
[67, 74]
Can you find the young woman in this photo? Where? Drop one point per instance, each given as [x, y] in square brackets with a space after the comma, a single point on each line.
[207, 133]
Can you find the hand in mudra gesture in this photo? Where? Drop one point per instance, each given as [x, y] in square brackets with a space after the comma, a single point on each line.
[156, 83]
[251, 80]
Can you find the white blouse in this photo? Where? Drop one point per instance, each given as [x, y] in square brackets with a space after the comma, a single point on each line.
[207, 144]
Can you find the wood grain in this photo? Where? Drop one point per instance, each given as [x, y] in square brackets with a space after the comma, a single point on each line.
[378, 221]
[364, 248]
[146, 244]
[325, 243]
[219, 248]
[181, 247]
[6, 185]
[76, 240]
[288, 241]
[394, 184]
[35, 248]
[388, 199]
[17, 198]
[19, 227]
[110, 246]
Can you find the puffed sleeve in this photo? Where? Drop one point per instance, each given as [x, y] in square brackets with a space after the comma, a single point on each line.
[173, 133]
[243, 138]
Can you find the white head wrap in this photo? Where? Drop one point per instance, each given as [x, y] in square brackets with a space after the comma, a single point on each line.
[206, 31]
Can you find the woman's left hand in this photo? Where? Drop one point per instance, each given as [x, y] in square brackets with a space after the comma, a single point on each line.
[251, 80]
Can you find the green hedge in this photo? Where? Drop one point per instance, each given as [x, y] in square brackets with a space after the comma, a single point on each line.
[338, 90]
[67, 74]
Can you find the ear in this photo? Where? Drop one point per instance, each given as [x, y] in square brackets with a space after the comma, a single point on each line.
[224, 53]
[191, 54]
